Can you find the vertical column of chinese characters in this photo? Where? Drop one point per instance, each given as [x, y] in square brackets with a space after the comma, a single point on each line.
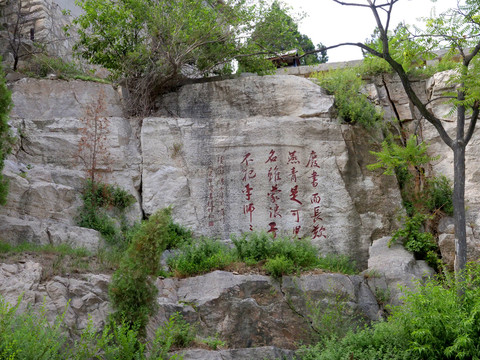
[318, 230]
[273, 196]
[220, 182]
[248, 176]
[210, 197]
[293, 162]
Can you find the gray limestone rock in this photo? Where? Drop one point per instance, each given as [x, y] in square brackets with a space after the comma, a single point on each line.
[264, 154]
[253, 310]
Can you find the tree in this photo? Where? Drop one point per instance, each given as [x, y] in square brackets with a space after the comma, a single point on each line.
[456, 30]
[277, 32]
[5, 137]
[150, 46]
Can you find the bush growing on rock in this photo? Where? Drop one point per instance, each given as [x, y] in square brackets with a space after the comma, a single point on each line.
[434, 322]
[132, 290]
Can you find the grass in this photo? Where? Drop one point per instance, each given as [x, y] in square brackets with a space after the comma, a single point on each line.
[61, 259]
[258, 252]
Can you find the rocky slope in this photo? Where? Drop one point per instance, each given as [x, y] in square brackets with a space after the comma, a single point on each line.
[253, 153]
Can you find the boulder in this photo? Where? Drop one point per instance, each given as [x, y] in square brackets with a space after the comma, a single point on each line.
[254, 310]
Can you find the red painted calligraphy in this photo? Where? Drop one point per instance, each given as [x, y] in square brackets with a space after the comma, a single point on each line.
[315, 199]
[296, 213]
[271, 157]
[312, 160]
[273, 175]
[247, 159]
[317, 232]
[274, 211]
[249, 174]
[273, 228]
[248, 192]
[292, 158]
[293, 175]
[296, 230]
[314, 178]
[249, 209]
[316, 214]
[274, 193]
[294, 194]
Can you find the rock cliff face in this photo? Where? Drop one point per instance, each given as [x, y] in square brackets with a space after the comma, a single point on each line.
[255, 153]
[47, 171]
[388, 93]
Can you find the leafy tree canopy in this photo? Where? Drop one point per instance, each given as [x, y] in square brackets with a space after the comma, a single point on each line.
[277, 32]
[150, 45]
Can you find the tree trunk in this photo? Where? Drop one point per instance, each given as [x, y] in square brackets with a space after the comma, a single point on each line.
[459, 206]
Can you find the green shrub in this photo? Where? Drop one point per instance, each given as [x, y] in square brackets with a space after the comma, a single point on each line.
[279, 266]
[439, 195]
[29, 335]
[42, 65]
[175, 333]
[435, 322]
[255, 247]
[414, 239]
[352, 104]
[338, 263]
[97, 199]
[201, 257]
[132, 290]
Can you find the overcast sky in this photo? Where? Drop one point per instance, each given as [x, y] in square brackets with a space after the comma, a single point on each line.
[330, 23]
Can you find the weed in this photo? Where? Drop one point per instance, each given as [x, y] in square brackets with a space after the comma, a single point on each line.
[202, 257]
[353, 106]
[175, 333]
[214, 342]
[255, 247]
[338, 263]
[434, 322]
[279, 266]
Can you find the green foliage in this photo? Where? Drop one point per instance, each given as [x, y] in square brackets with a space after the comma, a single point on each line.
[203, 256]
[149, 44]
[175, 333]
[132, 290]
[416, 240]
[275, 34]
[97, 199]
[433, 323]
[337, 263]
[394, 156]
[352, 104]
[213, 343]
[279, 265]
[29, 335]
[420, 198]
[42, 65]
[330, 318]
[439, 195]
[6, 139]
[255, 247]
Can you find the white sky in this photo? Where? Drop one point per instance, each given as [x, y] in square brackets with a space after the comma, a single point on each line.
[330, 23]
